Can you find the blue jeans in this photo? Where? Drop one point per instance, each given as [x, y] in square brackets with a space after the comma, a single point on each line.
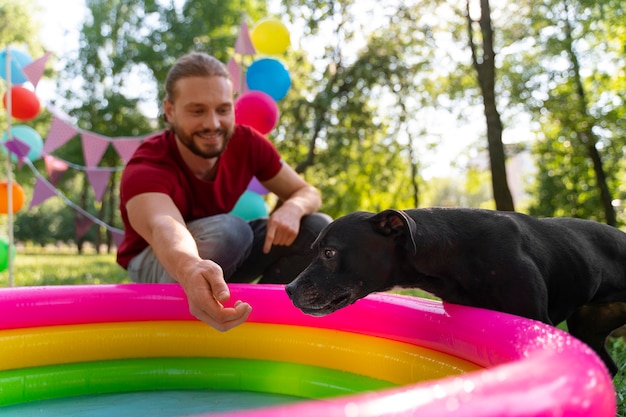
[237, 247]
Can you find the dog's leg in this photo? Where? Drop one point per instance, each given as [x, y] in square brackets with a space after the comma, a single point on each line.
[593, 323]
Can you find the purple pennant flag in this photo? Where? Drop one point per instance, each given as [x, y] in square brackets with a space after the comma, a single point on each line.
[98, 178]
[117, 235]
[257, 187]
[243, 45]
[82, 224]
[126, 147]
[60, 132]
[94, 147]
[43, 190]
[17, 147]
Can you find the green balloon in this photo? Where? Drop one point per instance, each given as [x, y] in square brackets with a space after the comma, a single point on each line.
[4, 253]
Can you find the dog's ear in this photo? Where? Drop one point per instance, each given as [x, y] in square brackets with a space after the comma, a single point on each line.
[398, 223]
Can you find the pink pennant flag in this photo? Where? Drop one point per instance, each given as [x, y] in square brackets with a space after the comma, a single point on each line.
[117, 235]
[98, 178]
[55, 168]
[43, 190]
[243, 45]
[34, 70]
[60, 132]
[94, 146]
[126, 147]
[82, 224]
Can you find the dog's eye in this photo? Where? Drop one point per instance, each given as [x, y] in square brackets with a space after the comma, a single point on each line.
[329, 253]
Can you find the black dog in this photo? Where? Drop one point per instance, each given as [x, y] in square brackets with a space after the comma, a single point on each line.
[550, 270]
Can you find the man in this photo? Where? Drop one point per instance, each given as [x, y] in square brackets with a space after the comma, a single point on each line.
[179, 186]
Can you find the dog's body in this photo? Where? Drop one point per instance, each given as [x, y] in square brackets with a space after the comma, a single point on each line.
[551, 269]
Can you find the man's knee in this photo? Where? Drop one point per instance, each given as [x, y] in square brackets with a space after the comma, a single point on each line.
[224, 230]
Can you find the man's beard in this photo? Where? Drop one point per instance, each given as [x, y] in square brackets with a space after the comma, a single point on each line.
[189, 143]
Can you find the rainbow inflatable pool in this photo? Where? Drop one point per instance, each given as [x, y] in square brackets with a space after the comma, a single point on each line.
[386, 355]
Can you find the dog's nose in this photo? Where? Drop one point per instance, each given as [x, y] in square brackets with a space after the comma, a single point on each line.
[289, 290]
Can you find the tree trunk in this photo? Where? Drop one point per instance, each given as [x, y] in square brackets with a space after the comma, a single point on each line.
[585, 134]
[486, 74]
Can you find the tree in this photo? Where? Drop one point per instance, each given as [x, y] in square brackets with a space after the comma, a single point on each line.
[484, 64]
[570, 84]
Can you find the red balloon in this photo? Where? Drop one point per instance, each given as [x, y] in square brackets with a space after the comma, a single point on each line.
[258, 110]
[24, 103]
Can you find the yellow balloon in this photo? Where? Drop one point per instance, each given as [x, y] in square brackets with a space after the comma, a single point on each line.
[270, 37]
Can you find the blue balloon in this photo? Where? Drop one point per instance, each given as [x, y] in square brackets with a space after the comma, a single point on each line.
[270, 76]
[250, 206]
[19, 60]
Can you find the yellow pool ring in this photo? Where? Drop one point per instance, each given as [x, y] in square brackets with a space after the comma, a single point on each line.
[388, 360]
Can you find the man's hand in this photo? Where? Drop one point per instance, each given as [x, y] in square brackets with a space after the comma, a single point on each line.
[283, 226]
[206, 290]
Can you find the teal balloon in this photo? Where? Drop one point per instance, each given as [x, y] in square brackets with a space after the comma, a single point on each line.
[19, 59]
[270, 76]
[4, 253]
[250, 206]
[28, 136]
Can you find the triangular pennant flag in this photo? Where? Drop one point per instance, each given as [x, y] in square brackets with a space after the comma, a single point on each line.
[98, 178]
[43, 190]
[60, 132]
[55, 168]
[35, 69]
[117, 235]
[82, 224]
[243, 45]
[94, 146]
[239, 82]
[126, 147]
[17, 147]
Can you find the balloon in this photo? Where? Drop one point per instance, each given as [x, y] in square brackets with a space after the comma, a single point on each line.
[28, 136]
[19, 60]
[24, 103]
[250, 206]
[4, 253]
[270, 76]
[270, 37]
[258, 110]
[17, 198]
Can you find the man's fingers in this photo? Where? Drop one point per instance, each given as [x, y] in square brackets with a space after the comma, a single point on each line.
[227, 318]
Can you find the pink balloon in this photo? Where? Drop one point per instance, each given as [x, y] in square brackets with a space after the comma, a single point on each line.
[258, 110]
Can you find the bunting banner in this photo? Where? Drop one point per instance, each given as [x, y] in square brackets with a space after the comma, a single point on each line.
[94, 146]
[244, 45]
[35, 69]
[117, 235]
[59, 133]
[239, 82]
[126, 147]
[43, 190]
[98, 178]
[55, 168]
[82, 224]
[17, 147]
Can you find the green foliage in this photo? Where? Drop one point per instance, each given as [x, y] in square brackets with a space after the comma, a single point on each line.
[61, 266]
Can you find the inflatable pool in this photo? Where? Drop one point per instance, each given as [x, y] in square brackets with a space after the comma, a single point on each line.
[386, 355]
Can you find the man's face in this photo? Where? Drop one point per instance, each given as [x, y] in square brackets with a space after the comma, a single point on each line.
[202, 114]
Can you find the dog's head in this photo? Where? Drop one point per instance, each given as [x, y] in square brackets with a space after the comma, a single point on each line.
[356, 255]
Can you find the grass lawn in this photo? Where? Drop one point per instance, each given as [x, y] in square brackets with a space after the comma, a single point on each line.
[63, 267]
